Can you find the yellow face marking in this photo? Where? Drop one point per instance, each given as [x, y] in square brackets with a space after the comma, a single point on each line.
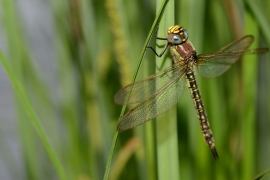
[175, 29]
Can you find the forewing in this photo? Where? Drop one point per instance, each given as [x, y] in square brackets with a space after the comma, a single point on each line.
[240, 44]
[214, 64]
[220, 63]
[165, 98]
[145, 89]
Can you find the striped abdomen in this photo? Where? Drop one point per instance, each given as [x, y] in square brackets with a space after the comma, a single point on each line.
[201, 113]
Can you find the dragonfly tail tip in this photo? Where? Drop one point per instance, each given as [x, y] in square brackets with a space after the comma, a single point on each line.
[215, 154]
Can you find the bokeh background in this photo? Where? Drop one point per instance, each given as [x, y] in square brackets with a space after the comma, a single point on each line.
[71, 57]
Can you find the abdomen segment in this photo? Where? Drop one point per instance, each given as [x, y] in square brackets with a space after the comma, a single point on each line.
[201, 113]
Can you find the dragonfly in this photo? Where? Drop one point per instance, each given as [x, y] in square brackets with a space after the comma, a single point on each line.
[161, 91]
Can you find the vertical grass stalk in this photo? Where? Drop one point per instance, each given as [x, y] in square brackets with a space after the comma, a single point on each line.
[108, 166]
[166, 124]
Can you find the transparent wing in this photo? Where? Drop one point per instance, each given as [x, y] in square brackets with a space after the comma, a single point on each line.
[145, 89]
[214, 64]
[164, 99]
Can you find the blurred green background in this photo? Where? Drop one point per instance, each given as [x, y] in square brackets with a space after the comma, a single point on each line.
[65, 61]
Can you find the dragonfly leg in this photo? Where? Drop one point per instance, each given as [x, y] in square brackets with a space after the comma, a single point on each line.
[157, 30]
[159, 38]
[162, 52]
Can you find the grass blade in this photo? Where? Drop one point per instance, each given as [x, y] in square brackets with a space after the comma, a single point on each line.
[259, 176]
[166, 124]
[25, 102]
[107, 171]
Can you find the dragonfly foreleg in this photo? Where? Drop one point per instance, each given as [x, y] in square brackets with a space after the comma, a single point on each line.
[162, 52]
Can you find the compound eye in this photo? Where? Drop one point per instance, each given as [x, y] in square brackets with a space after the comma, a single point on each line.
[186, 33]
[176, 39]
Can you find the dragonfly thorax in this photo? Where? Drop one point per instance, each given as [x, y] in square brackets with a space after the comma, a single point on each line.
[183, 51]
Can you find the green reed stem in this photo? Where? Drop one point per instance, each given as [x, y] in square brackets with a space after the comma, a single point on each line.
[29, 109]
[166, 124]
[108, 166]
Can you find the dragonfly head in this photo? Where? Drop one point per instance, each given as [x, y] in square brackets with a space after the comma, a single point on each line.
[177, 34]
